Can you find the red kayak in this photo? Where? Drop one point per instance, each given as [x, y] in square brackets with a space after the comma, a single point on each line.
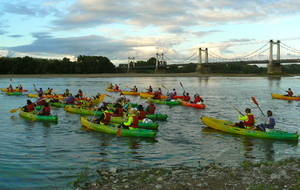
[198, 106]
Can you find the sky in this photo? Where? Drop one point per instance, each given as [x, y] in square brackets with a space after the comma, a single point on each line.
[122, 30]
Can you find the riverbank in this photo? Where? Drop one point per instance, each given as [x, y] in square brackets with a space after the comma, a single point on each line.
[107, 75]
[284, 174]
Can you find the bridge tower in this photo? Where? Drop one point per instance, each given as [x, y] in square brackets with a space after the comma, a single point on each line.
[159, 69]
[132, 62]
[200, 67]
[274, 67]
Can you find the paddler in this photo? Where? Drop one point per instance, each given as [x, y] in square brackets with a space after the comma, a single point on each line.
[247, 120]
[132, 122]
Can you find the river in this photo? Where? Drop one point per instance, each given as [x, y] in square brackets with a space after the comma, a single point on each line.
[47, 155]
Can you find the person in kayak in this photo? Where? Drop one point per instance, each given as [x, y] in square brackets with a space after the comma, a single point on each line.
[132, 122]
[118, 112]
[104, 117]
[150, 109]
[186, 97]
[141, 112]
[70, 99]
[134, 89]
[29, 106]
[116, 87]
[171, 93]
[197, 99]
[45, 111]
[269, 123]
[246, 121]
[149, 90]
[40, 101]
[289, 92]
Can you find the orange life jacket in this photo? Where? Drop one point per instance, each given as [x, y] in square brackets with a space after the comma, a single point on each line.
[106, 118]
[250, 121]
[46, 111]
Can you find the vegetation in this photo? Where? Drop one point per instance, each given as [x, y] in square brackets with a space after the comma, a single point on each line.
[99, 64]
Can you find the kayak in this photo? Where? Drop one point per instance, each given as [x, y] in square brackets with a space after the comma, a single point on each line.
[222, 125]
[5, 89]
[59, 97]
[172, 102]
[13, 93]
[157, 116]
[152, 126]
[112, 129]
[32, 116]
[150, 95]
[279, 96]
[82, 111]
[112, 90]
[130, 93]
[198, 106]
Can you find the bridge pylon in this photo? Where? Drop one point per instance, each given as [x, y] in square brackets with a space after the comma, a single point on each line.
[274, 67]
[132, 62]
[157, 68]
[200, 67]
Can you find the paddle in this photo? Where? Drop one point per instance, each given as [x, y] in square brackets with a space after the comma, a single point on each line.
[255, 102]
[102, 96]
[237, 109]
[165, 87]
[182, 86]
[281, 88]
[119, 132]
[14, 110]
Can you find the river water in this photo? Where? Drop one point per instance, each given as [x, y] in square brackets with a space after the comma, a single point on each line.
[45, 155]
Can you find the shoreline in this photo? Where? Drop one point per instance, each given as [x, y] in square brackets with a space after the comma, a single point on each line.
[113, 75]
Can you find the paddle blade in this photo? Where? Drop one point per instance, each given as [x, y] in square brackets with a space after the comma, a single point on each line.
[14, 110]
[34, 119]
[254, 100]
[102, 97]
[119, 131]
[181, 84]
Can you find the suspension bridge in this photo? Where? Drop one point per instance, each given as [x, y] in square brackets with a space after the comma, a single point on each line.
[205, 58]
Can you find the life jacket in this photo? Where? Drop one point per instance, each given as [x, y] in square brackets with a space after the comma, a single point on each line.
[250, 121]
[142, 115]
[152, 109]
[46, 111]
[186, 98]
[30, 107]
[174, 93]
[197, 99]
[135, 121]
[40, 102]
[290, 93]
[120, 112]
[106, 118]
[71, 100]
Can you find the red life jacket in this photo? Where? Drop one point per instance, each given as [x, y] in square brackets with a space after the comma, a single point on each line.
[186, 98]
[46, 111]
[40, 102]
[152, 109]
[197, 99]
[120, 112]
[135, 122]
[142, 115]
[106, 118]
[250, 121]
[30, 107]
[71, 101]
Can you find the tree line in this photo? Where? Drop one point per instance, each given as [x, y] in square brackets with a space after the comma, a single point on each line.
[100, 64]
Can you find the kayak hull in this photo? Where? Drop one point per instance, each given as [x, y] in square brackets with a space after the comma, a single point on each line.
[112, 129]
[279, 96]
[222, 125]
[150, 95]
[198, 106]
[152, 126]
[165, 102]
[33, 116]
[82, 111]
[130, 93]
[112, 90]
[13, 93]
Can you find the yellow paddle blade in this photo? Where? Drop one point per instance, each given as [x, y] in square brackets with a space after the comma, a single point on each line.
[102, 97]
[66, 107]
[34, 119]
[14, 110]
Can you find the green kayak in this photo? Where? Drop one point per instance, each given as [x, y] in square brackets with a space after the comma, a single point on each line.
[156, 101]
[153, 126]
[82, 111]
[13, 93]
[112, 129]
[32, 116]
[222, 125]
[157, 116]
